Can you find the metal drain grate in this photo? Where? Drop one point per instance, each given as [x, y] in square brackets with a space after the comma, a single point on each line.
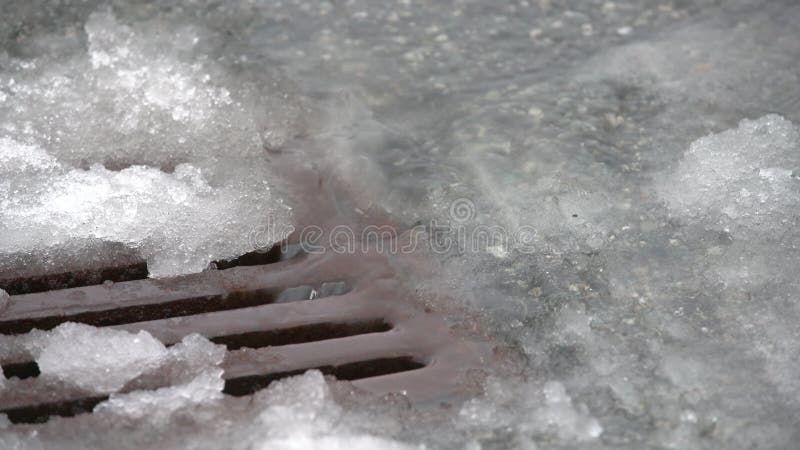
[279, 314]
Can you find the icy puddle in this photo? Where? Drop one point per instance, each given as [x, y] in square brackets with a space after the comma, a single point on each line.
[612, 189]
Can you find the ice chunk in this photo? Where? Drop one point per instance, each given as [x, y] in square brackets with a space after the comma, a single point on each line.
[197, 353]
[184, 361]
[159, 405]
[104, 359]
[97, 359]
[739, 179]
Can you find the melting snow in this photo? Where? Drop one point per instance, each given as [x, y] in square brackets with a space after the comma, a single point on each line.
[637, 144]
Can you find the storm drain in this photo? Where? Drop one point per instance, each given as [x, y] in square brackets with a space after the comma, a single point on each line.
[279, 314]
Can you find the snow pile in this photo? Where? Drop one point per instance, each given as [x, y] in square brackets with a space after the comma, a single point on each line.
[174, 219]
[134, 137]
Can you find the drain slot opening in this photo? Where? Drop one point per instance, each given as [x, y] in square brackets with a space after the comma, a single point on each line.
[346, 372]
[21, 370]
[277, 253]
[301, 334]
[67, 280]
[41, 413]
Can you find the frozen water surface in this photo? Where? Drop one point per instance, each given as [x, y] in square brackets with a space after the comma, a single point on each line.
[648, 150]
